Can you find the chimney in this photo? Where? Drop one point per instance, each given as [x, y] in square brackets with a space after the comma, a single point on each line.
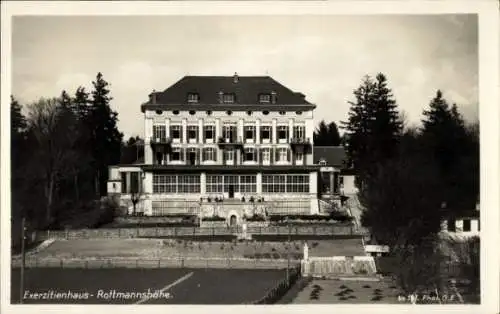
[235, 77]
[152, 97]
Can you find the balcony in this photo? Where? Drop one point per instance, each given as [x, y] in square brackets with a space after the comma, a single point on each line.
[300, 142]
[230, 142]
[161, 144]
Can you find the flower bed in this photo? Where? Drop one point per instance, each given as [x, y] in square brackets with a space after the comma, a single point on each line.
[213, 224]
[291, 219]
[251, 224]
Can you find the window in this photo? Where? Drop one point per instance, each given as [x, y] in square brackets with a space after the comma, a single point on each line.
[159, 132]
[176, 112]
[192, 156]
[192, 132]
[188, 184]
[229, 112]
[176, 154]
[215, 183]
[282, 154]
[229, 155]
[240, 183]
[175, 131]
[192, 112]
[248, 183]
[298, 113]
[209, 131]
[176, 183]
[229, 132]
[160, 158]
[250, 154]
[285, 183]
[282, 113]
[249, 113]
[193, 98]
[466, 227]
[265, 133]
[273, 183]
[299, 132]
[266, 155]
[299, 156]
[159, 112]
[264, 98]
[297, 184]
[209, 154]
[283, 132]
[322, 162]
[249, 132]
[209, 112]
[265, 112]
[134, 182]
[451, 225]
[164, 183]
[228, 98]
[124, 182]
[231, 180]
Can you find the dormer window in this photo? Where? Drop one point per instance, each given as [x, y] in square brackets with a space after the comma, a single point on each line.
[228, 98]
[193, 98]
[265, 98]
[322, 162]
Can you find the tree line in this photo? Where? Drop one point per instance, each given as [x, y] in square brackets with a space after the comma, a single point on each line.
[60, 152]
[410, 179]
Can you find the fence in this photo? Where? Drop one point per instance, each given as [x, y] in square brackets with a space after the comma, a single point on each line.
[175, 206]
[333, 230]
[177, 262]
[281, 287]
[169, 206]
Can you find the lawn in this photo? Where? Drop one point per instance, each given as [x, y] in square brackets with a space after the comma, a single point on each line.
[179, 286]
[168, 248]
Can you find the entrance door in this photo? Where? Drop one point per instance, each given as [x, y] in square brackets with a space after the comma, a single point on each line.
[231, 191]
[232, 221]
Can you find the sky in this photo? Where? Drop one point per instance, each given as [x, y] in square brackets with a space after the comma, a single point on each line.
[324, 57]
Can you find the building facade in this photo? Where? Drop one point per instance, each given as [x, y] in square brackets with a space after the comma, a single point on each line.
[227, 140]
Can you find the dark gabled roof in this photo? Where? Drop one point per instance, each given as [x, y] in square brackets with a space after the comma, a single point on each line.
[335, 156]
[246, 91]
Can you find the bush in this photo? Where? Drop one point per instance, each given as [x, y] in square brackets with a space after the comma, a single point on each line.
[291, 218]
[214, 218]
[108, 210]
[256, 217]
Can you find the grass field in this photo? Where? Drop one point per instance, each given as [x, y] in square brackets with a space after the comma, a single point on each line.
[179, 286]
[156, 248]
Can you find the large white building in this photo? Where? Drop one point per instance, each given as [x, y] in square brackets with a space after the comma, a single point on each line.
[229, 140]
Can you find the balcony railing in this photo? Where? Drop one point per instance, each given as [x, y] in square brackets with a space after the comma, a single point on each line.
[161, 144]
[296, 141]
[230, 142]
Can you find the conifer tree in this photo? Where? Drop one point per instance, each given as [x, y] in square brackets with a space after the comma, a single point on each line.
[445, 137]
[106, 139]
[373, 127]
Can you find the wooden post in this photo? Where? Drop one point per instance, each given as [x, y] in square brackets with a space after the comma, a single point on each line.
[23, 258]
[288, 251]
